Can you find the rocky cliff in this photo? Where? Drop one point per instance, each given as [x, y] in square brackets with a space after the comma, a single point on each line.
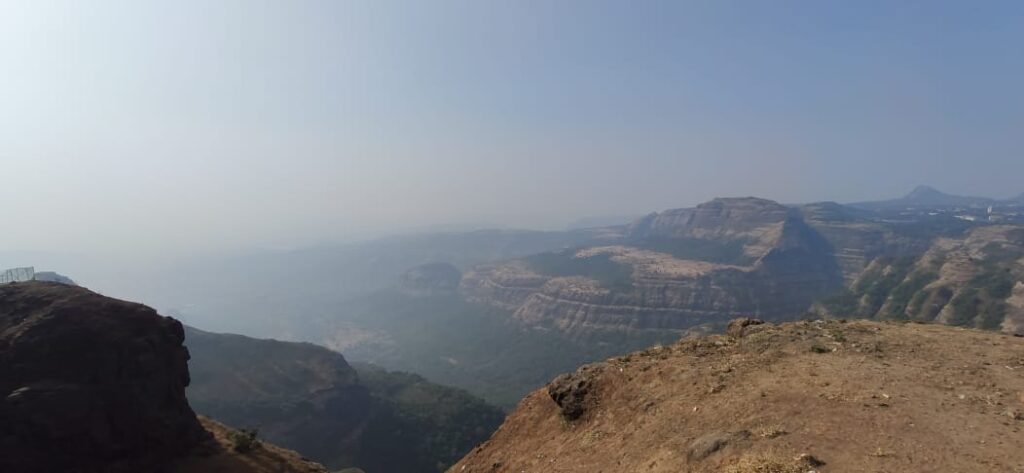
[90, 383]
[793, 398]
[671, 271]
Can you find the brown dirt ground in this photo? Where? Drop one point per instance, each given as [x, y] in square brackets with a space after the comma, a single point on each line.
[858, 396]
[218, 456]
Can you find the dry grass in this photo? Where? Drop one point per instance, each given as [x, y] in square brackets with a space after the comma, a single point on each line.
[769, 431]
[768, 462]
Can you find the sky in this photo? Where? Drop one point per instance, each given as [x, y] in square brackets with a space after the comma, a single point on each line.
[138, 127]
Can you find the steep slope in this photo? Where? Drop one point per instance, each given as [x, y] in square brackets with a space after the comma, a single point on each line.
[857, 237]
[309, 399]
[90, 383]
[671, 271]
[976, 281]
[300, 396]
[218, 454]
[821, 396]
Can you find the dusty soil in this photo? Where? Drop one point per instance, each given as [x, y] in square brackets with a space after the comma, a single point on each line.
[807, 396]
[218, 456]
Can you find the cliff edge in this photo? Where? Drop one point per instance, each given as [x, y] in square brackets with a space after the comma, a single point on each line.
[797, 397]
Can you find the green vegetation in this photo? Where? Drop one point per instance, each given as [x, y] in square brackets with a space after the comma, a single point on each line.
[902, 295]
[877, 286]
[608, 273]
[843, 304]
[895, 290]
[436, 425]
[244, 440]
[965, 307]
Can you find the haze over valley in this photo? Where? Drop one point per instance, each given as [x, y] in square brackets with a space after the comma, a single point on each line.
[455, 236]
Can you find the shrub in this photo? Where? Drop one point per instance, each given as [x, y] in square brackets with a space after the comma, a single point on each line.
[244, 440]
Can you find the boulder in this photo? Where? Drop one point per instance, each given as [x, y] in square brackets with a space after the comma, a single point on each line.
[89, 383]
[570, 390]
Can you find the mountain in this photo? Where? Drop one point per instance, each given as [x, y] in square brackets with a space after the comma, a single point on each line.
[975, 281]
[792, 398]
[308, 398]
[672, 270]
[93, 384]
[513, 324]
[925, 196]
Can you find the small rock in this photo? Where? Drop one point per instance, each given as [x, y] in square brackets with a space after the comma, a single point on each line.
[809, 460]
[706, 445]
[736, 327]
[570, 390]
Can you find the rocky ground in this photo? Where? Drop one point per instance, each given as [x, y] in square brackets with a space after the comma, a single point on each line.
[807, 396]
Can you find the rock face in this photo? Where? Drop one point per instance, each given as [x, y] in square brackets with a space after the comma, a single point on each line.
[671, 271]
[89, 383]
[791, 398]
[570, 390]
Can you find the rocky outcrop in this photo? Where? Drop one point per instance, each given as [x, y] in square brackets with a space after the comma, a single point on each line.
[570, 390]
[89, 383]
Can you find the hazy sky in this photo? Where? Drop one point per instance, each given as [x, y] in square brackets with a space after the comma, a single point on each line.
[202, 125]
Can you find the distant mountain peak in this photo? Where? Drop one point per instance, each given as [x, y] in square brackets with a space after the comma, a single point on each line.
[925, 192]
[925, 196]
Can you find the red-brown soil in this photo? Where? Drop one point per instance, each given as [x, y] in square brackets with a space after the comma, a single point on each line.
[808, 396]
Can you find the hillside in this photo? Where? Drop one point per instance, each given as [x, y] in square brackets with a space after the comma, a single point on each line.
[308, 398]
[218, 455]
[975, 281]
[823, 396]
